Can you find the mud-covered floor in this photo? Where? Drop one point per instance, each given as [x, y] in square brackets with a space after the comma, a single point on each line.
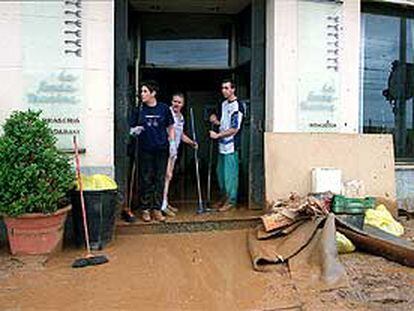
[198, 271]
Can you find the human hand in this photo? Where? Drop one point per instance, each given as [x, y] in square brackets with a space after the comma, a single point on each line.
[136, 131]
[194, 144]
[214, 135]
[213, 119]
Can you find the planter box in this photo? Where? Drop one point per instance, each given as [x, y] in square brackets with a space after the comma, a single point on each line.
[36, 234]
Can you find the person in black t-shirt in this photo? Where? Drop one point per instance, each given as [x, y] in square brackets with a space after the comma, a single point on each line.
[153, 123]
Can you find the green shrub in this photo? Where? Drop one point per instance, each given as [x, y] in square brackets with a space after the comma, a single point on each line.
[34, 176]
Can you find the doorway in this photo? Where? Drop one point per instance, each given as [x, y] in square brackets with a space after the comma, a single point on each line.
[191, 50]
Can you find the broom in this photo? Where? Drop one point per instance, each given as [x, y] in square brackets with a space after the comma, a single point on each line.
[89, 259]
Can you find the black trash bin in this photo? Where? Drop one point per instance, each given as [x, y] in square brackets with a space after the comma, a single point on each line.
[100, 212]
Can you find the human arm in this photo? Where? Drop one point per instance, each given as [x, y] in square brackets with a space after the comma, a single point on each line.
[135, 128]
[187, 140]
[214, 120]
[223, 134]
[171, 134]
[236, 119]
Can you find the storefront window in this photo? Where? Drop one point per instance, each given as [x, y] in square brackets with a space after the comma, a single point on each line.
[188, 52]
[388, 57]
[186, 40]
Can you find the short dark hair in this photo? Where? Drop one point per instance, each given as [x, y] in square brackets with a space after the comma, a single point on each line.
[151, 85]
[232, 84]
[179, 94]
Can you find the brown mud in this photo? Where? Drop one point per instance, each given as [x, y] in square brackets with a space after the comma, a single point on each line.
[193, 271]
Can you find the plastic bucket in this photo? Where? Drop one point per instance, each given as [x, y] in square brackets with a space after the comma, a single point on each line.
[100, 211]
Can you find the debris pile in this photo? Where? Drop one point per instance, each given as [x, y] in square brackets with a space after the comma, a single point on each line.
[285, 212]
[302, 233]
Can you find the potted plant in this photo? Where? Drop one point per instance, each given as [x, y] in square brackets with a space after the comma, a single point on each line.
[34, 180]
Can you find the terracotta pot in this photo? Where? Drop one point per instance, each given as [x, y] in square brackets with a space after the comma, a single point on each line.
[36, 234]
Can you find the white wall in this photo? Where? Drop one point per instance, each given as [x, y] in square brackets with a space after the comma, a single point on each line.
[281, 66]
[350, 97]
[10, 58]
[32, 51]
[284, 67]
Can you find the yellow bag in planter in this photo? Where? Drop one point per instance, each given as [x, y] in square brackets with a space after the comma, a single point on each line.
[97, 182]
[381, 218]
[343, 244]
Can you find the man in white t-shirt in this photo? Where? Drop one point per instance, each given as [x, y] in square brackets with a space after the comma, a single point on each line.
[177, 104]
[228, 143]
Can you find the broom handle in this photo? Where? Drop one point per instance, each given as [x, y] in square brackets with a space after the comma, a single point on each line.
[200, 198]
[78, 174]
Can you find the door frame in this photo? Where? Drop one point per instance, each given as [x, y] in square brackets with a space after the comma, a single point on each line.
[257, 106]
[256, 187]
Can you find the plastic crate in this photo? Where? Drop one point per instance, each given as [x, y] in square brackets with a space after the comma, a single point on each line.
[344, 205]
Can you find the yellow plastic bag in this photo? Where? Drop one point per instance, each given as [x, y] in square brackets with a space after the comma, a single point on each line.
[103, 182]
[343, 244]
[87, 183]
[97, 182]
[381, 218]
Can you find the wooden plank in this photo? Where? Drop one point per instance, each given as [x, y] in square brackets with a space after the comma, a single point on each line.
[257, 86]
[290, 157]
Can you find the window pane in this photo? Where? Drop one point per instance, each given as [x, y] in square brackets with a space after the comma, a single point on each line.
[381, 42]
[188, 52]
[409, 104]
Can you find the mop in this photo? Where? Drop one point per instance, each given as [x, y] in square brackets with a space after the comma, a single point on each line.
[200, 208]
[89, 259]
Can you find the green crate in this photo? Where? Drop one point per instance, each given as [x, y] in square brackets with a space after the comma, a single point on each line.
[344, 205]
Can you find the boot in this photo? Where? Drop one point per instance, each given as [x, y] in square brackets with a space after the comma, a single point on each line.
[146, 216]
[158, 215]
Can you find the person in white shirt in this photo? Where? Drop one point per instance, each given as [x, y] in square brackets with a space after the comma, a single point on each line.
[228, 144]
[177, 104]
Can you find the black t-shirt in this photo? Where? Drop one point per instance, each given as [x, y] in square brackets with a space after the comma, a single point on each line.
[155, 121]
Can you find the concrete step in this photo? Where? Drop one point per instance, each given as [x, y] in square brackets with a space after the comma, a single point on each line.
[189, 222]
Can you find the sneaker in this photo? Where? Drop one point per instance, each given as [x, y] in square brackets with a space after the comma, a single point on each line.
[158, 215]
[172, 208]
[168, 212]
[226, 207]
[146, 216]
[128, 216]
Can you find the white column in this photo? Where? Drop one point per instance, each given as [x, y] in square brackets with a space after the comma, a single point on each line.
[350, 66]
[281, 66]
[99, 83]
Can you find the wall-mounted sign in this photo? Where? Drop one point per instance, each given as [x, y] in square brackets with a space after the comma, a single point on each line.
[319, 51]
[53, 77]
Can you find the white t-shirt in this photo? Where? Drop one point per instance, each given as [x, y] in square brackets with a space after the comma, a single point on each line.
[178, 126]
[231, 117]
